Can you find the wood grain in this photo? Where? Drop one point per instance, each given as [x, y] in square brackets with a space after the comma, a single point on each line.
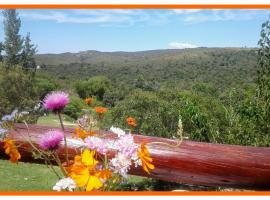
[194, 163]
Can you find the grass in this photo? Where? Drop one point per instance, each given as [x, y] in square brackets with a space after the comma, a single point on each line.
[25, 177]
[37, 177]
[53, 121]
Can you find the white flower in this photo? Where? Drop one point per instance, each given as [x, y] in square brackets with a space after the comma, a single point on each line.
[126, 145]
[97, 143]
[65, 184]
[117, 131]
[77, 143]
[121, 164]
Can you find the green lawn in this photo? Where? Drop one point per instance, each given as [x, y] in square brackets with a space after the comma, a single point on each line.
[25, 177]
[37, 177]
[53, 121]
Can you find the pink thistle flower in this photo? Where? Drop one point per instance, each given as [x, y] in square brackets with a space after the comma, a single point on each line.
[56, 101]
[51, 140]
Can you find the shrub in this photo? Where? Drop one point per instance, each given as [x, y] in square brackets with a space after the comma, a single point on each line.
[95, 86]
[44, 86]
[154, 115]
[16, 91]
[74, 108]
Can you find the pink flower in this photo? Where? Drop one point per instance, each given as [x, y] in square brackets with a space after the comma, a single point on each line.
[100, 145]
[126, 145]
[120, 164]
[51, 140]
[56, 101]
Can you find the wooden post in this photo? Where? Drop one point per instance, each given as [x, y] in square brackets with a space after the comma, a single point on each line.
[194, 163]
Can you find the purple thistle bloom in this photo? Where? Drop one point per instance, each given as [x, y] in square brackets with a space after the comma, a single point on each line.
[56, 101]
[51, 140]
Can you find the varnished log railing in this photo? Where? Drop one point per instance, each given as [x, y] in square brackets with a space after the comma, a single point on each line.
[194, 163]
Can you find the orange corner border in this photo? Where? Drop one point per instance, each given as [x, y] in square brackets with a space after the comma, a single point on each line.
[135, 6]
[132, 193]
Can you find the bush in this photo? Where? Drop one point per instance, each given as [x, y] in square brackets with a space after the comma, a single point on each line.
[16, 91]
[155, 116]
[74, 108]
[44, 86]
[95, 86]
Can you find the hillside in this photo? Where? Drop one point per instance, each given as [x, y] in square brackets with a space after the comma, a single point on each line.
[223, 67]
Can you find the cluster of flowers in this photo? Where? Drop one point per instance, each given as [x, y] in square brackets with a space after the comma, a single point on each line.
[100, 162]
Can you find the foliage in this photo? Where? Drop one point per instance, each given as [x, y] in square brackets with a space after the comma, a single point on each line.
[154, 115]
[264, 73]
[152, 70]
[1, 49]
[28, 53]
[74, 108]
[13, 42]
[95, 86]
[16, 91]
[44, 85]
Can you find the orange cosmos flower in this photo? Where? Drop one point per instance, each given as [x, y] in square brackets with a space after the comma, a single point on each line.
[11, 150]
[100, 110]
[80, 133]
[89, 100]
[131, 122]
[145, 157]
[84, 171]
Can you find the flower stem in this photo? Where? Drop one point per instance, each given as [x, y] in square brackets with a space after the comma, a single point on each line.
[65, 138]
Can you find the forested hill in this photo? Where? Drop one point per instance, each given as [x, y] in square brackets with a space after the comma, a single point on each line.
[224, 67]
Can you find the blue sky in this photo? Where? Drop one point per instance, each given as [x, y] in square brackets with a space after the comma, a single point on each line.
[56, 31]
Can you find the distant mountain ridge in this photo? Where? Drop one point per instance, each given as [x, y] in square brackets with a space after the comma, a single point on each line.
[223, 67]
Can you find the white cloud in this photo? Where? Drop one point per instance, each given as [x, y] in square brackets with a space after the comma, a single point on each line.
[62, 17]
[223, 15]
[179, 45]
[185, 11]
[150, 17]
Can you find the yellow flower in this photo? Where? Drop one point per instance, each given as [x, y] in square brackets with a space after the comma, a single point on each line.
[11, 150]
[80, 133]
[84, 171]
[145, 157]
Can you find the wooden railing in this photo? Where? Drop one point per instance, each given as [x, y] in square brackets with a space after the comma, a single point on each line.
[194, 163]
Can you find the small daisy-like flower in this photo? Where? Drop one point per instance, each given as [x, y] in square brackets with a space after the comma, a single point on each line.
[117, 131]
[145, 157]
[89, 100]
[85, 171]
[100, 111]
[131, 122]
[10, 117]
[121, 164]
[56, 101]
[98, 144]
[3, 132]
[51, 140]
[126, 145]
[11, 150]
[65, 184]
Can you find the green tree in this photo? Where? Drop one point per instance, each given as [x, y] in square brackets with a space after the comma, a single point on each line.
[95, 86]
[1, 49]
[16, 91]
[264, 72]
[28, 53]
[155, 115]
[13, 41]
